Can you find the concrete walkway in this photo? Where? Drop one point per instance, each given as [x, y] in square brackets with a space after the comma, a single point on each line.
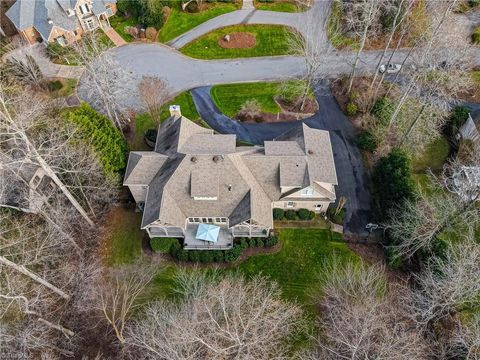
[115, 37]
[248, 5]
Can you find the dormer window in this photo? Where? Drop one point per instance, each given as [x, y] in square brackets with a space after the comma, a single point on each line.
[84, 9]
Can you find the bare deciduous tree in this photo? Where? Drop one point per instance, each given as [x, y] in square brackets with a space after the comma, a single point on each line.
[105, 83]
[119, 295]
[312, 45]
[449, 284]
[26, 70]
[216, 319]
[362, 318]
[154, 92]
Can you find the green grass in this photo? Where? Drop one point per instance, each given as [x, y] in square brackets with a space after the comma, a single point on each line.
[230, 98]
[475, 74]
[123, 237]
[143, 122]
[118, 22]
[281, 6]
[180, 22]
[272, 40]
[162, 245]
[297, 266]
[433, 157]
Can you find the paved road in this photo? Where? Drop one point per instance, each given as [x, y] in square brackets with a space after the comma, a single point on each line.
[352, 177]
[183, 73]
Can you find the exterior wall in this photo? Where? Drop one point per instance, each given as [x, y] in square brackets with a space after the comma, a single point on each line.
[139, 192]
[307, 204]
[69, 36]
[470, 131]
[30, 35]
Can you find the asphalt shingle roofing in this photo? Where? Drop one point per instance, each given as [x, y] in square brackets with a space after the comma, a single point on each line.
[239, 183]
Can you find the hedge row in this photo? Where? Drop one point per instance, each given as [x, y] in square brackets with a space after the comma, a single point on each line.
[300, 214]
[220, 256]
[106, 140]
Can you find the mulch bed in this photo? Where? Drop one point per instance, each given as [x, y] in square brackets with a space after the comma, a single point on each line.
[310, 107]
[238, 40]
[265, 117]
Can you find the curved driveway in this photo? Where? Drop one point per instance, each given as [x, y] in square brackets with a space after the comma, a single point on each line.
[353, 180]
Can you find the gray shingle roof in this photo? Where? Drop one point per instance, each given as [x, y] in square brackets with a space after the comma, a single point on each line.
[191, 161]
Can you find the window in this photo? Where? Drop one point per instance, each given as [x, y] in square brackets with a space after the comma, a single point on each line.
[210, 220]
[84, 9]
[90, 24]
[318, 207]
[308, 191]
[36, 181]
[290, 204]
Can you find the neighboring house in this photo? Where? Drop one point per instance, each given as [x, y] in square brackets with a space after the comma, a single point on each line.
[471, 129]
[27, 192]
[63, 21]
[195, 179]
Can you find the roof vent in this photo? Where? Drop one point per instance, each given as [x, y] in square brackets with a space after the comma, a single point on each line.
[229, 187]
[218, 158]
[193, 159]
[310, 152]
[50, 21]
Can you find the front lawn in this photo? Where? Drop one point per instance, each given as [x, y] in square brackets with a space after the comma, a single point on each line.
[271, 40]
[230, 98]
[119, 22]
[282, 6]
[297, 267]
[180, 22]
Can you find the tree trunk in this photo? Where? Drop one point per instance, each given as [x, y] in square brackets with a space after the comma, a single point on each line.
[357, 59]
[22, 269]
[420, 113]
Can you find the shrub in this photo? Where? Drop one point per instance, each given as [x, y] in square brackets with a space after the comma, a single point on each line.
[260, 242]
[54, 85]
[233, 254]
[278, 214]
[252, 242]
[194, 255]
[175, 249]
[166, 11]
[476, 35]
[151, 33]
[218, 256]
[305, 214]
[352, 109]
[366, 141]
[243, 243]
[383, 109]
[206, 256]
[132, 31]
[458, 117]
[182, 255]
[272, 240]
[392, 180]
[106, 140]
[290, 215]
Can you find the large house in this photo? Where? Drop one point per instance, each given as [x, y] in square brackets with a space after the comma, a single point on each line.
[201, 187]
[63, 21]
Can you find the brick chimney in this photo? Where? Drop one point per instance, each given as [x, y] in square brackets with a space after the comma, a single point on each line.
[175, 111]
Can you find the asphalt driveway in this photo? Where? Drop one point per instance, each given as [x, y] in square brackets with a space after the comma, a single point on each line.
[353, 180]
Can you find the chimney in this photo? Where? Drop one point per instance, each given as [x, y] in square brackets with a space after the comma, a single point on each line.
[175, 110]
